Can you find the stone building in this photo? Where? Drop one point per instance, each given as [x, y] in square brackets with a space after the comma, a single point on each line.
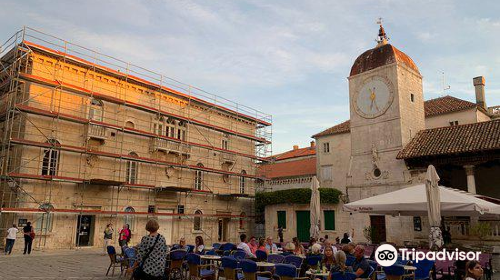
[393, 134]
[90, 140]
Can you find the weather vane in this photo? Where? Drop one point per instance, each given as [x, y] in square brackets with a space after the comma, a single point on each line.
[382, 36]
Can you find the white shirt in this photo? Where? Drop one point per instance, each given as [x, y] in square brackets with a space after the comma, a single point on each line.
[243, 246]
[273, 249]
[200, 248]
[12, 233]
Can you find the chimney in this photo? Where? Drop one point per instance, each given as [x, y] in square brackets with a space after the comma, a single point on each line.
[313, 144]
[295, 147]
[479, 86]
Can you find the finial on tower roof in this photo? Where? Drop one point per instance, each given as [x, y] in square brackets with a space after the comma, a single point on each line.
[382, 36]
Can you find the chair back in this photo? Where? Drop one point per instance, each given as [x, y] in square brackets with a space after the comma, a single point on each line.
[227, 247]
[350, 260]
[424, 268]
[239, 255]
[211, 253]
[130, 255]
[216, 246]
[111, 253]
[175, 247]
[177, 258]
[294, 260]
[249, 269]
[229, 265]
[343, 276]
[193, 261]
[394, 272]
[286, 253]
[401, 261]
[261, 255]
[313, 260]
[274, 258]
[190, 248]
[285, 271]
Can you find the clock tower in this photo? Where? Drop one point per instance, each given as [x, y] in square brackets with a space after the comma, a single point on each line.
[387, 110]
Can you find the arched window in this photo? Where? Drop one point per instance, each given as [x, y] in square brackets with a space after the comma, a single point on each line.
[170, 128]
[129, 219]
[181, 130]
[198, 179]
[159, 126]
[242, 181]
[96, 111]
[129, 124]
[242, 220]
[50, 163]
[197, 220]
[132, 169]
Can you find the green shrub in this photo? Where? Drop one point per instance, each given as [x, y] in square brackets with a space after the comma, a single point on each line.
[294, 196]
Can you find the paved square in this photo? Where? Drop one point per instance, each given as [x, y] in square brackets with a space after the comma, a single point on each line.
[68, 264]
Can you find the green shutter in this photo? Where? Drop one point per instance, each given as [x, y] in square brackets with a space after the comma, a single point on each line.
[282, 219]
[329, 220]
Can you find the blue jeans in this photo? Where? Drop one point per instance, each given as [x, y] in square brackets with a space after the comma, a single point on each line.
[9, 244]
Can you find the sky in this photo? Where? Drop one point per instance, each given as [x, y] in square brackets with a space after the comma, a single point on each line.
[289, 58]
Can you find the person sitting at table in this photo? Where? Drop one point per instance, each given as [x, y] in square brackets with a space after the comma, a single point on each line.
[348, 249]
[262, 245]
[270, 246]
[315, 250]
[244, 246]
[199, 246]
[289, 247]
[328, 260]
[360, 267]
[253, 244]
[328, 244]
[312, 241]
[299, 249]
[182, 244]
[473, 270]
[340, 260]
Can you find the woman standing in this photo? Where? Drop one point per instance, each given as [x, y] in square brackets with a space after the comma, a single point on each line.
[199, 246]
[474, 271]
[29, 235]
[151, 255]
[124, 236]
[108, 236]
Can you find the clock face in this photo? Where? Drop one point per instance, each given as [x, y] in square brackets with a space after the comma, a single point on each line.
[374, 97]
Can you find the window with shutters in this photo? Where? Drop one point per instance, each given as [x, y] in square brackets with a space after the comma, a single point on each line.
[282, 219]
[329, 219]
[326, 173]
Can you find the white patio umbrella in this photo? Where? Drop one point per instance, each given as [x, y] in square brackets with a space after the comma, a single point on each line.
[433, 207]
[412, 201]
[315, 208]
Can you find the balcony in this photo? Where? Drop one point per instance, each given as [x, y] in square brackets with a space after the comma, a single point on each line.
[158, 144]
[226, 158]
[96, 132]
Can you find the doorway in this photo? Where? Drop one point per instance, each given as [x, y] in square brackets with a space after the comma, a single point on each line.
[222, 228]
[166, 224]
[377, 224]
[303, 225]
[84, 230]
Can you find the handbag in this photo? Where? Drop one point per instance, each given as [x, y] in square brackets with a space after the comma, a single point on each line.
[139, 273]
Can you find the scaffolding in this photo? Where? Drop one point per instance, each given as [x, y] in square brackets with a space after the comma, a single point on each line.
[87, 134]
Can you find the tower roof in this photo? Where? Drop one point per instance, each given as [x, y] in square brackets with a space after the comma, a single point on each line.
[381, 55]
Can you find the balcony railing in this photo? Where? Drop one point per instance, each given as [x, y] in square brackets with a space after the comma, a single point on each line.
[96, 132]
[169, 146]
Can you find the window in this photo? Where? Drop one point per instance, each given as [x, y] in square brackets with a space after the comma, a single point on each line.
[198, 178]
[181, 130]
[326, 147]
[129, 219]
[225, 144]
[326, 173]
[170, 128]
[453, 123]
[197, 220]
[412, 97]
[50, 163]
[129, 124]
[282, 219]
[329, 219]
[44, 221]
[242, 181]
[132, 169]
[242, 220]
[96, 111]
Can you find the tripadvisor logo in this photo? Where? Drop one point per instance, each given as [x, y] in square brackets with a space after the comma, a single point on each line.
[387, 255]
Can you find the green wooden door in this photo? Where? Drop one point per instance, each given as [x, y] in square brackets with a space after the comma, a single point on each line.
[303, 225]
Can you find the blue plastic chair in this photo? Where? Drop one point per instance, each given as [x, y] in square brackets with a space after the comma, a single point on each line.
[261, 255]
[177, 258]
[250, 272]
[313, 260]
[216, 246]
[273, 258]
[190, 248]
[424, 268]
[239, 255]
[287, 272]
[197, 269]
[227, 247]
[295, 260]
[350, 260]
[343, 276]
[211, 253]
[229, 268]
[130, 255]
[396, 271]
[115, 261]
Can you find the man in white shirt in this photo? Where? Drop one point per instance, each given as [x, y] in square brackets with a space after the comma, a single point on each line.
[11, 238]
[244, 246]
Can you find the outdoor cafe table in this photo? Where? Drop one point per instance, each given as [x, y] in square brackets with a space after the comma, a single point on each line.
[210, 257]
[265, 264]
[313, 274]
[208, 248]
[409, 267]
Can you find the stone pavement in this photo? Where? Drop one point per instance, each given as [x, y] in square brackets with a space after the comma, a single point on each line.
[64, 264]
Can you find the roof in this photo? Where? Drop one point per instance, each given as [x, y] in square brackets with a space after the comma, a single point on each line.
[301, 152]
[380, 56]
[446, 104]
[301, 167]
[467, 138]
[433, 107]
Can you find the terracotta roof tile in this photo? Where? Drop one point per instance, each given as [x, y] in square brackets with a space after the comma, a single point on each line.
[380, 56]
[302, 152]
[433, 107]
[301, 167]
[482, 136]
